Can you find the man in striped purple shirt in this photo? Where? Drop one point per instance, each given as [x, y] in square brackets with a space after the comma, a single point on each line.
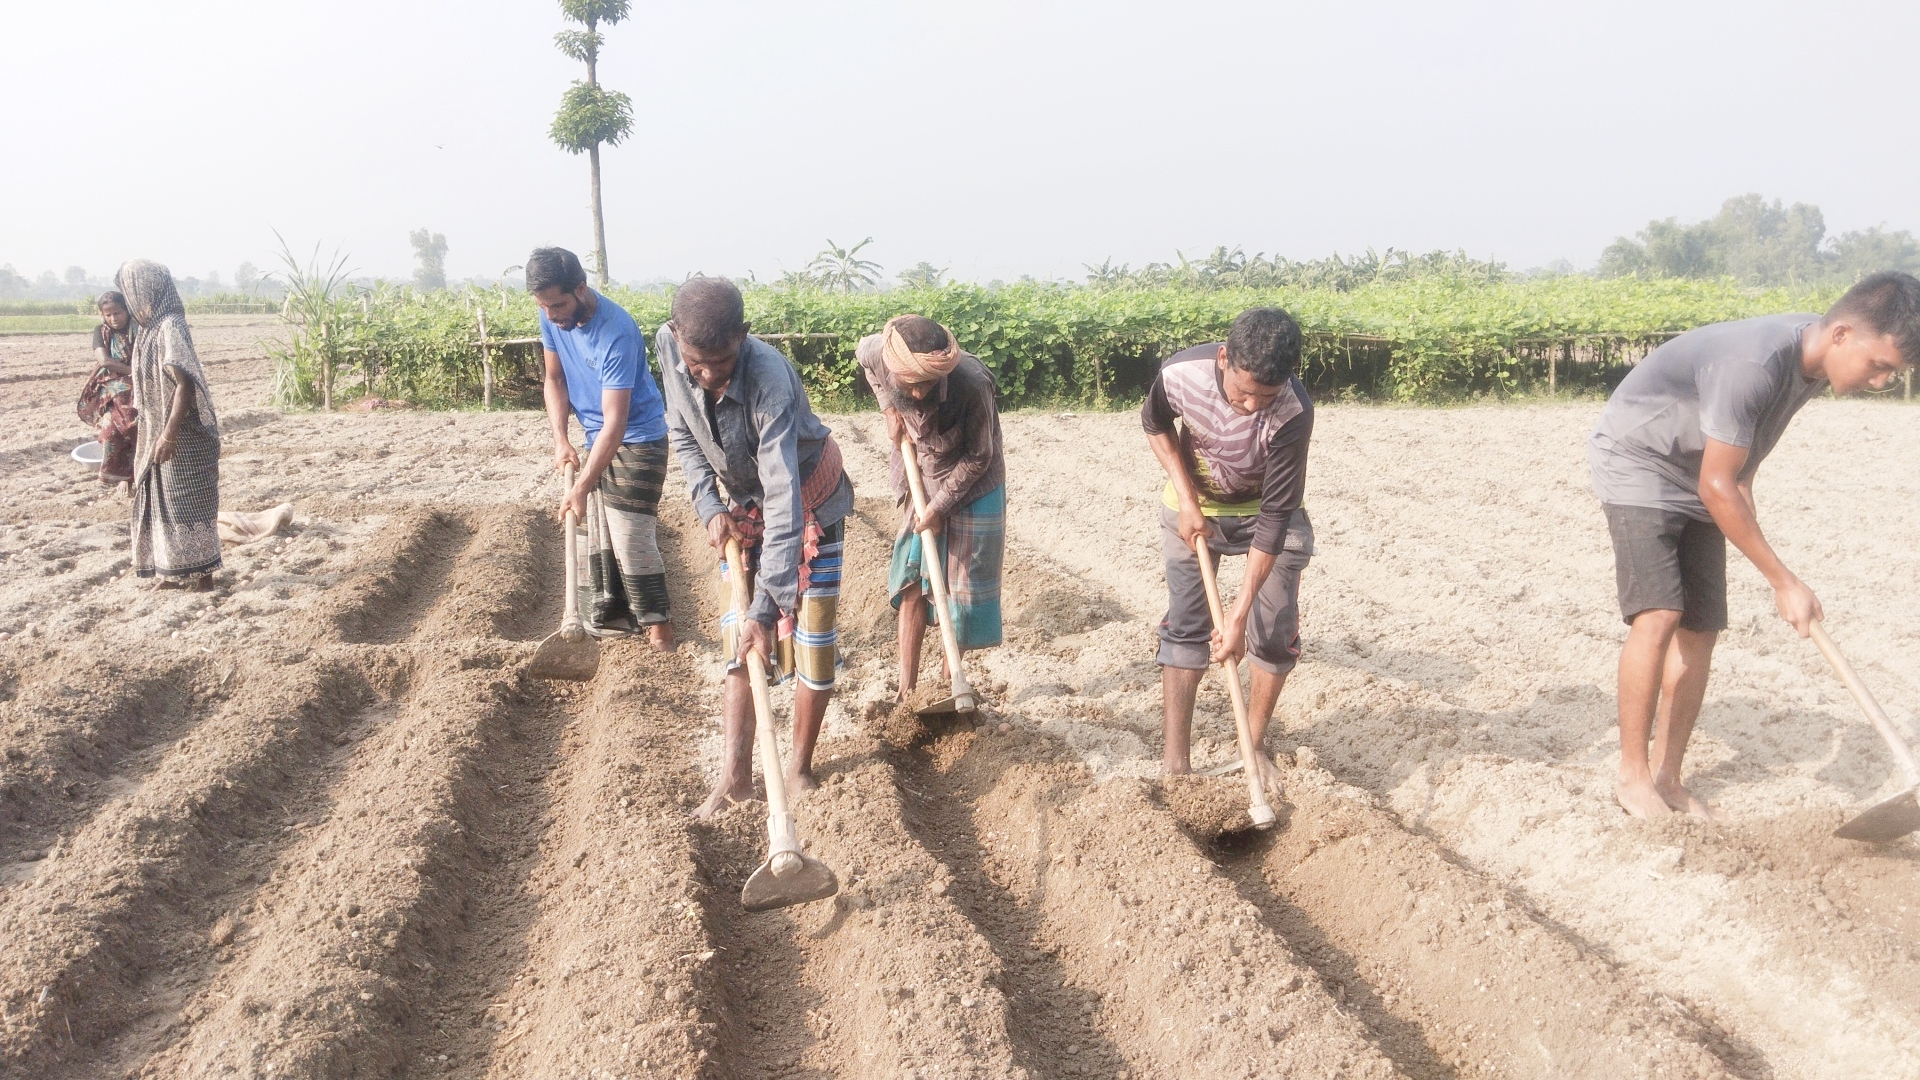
[1230, 423]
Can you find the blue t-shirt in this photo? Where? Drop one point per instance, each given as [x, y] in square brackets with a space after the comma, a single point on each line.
[608, 352]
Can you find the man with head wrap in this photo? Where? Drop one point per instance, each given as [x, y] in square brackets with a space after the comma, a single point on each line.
[176, 463]
[943, 399]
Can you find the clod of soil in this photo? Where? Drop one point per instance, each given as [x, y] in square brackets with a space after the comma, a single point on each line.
[1208, 807]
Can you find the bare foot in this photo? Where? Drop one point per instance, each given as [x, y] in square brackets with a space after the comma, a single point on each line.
[1683, 801]
[1269, 773]
[1182, 767]
[660, 636]
[799, 783]
[724, 795]
[1641, 799]
[199, 583]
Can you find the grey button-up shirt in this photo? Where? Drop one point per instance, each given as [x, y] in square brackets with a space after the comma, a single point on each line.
[761, 440]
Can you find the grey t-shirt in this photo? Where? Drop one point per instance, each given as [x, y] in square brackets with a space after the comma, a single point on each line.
[1736, 382]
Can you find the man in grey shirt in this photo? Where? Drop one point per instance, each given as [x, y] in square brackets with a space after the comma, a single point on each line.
[1673, 460]
[738, 419]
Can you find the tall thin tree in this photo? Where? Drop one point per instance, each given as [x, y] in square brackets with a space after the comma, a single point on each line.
[589, 113]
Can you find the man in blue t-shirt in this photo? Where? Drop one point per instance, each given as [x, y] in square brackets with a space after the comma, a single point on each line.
[596, 367]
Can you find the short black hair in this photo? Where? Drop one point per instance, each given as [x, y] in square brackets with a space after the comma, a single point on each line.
[1889, 303]
[1265, 343]
[551, 267]
[921, 333]
[708, 313]
[112, 296]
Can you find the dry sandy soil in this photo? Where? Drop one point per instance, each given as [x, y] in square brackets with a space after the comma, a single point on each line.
[320, 824]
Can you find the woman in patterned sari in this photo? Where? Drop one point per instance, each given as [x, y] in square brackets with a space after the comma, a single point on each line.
[176, 465]
[107, 401]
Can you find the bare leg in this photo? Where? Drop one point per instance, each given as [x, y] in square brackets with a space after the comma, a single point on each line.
[1266, 694]
[660, 635]
[809, 709]
[1178, 687]
[1683, 688]
[913, 631]
[736, 756]
[1642, 666]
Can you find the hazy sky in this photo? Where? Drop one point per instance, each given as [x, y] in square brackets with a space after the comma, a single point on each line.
[995, 138]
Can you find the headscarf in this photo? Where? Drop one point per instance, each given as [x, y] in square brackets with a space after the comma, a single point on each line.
[917, 367]
[107, 332]
[162, 342]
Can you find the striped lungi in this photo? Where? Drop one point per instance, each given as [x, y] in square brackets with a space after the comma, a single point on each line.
[807, 642]
[175, 504]
[974, 545]
[627, 579]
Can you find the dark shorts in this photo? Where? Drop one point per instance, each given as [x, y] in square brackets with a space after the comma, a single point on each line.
[1668, 561]
[1273, 628]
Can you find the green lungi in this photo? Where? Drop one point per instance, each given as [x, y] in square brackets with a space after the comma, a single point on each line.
[974, 545]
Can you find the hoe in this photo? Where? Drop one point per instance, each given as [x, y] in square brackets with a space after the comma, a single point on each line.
[789, 876]
[1257, 806]
[963, 699]
[568, 653]
[1892, 818]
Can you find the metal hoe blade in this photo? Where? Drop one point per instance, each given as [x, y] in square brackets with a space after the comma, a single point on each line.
[805, 879]
[558, 658]
[1890, 820]
[959, 703]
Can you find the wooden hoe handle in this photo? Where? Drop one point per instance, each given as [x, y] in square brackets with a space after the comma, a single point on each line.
[936, 568]
[1257, 806]
[784, 841]
[571, 628]
[1864, 698]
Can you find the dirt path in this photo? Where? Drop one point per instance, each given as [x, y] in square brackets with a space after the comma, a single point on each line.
[319, 824]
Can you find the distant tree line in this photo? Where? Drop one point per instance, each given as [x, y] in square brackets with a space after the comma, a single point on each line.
[1759, 243]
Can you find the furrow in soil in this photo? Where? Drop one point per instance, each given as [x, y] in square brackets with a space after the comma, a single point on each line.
[80, 730]
[497, 588]
[619, 971]
[339, 958]
[120, 912]
[1456, 974]
[402, 576]
[1125, 951]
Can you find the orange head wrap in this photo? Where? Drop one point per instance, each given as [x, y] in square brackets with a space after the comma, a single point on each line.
[918, 367]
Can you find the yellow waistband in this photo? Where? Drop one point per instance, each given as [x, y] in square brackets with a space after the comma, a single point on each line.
[1171, 500]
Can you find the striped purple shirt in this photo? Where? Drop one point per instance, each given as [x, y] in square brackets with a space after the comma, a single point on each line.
[1234, 457]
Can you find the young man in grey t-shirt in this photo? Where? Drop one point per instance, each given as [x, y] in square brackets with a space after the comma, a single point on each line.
[1673, 460]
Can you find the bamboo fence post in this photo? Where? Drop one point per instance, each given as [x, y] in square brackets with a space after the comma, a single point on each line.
[1907, 378]
[1553, 372]
[486, 364]
[326, 366]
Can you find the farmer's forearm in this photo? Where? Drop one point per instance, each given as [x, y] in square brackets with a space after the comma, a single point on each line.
[1733, 511]
[607, 443]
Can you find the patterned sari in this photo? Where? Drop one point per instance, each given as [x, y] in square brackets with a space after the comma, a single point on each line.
[175, 502]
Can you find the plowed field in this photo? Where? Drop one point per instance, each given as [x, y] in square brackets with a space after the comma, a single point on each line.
[319, 823]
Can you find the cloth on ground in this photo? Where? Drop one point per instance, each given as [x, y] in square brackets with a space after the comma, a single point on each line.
[627, 577]
[240, 527]
[807, 643]
[973, 546]
[175, 502]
